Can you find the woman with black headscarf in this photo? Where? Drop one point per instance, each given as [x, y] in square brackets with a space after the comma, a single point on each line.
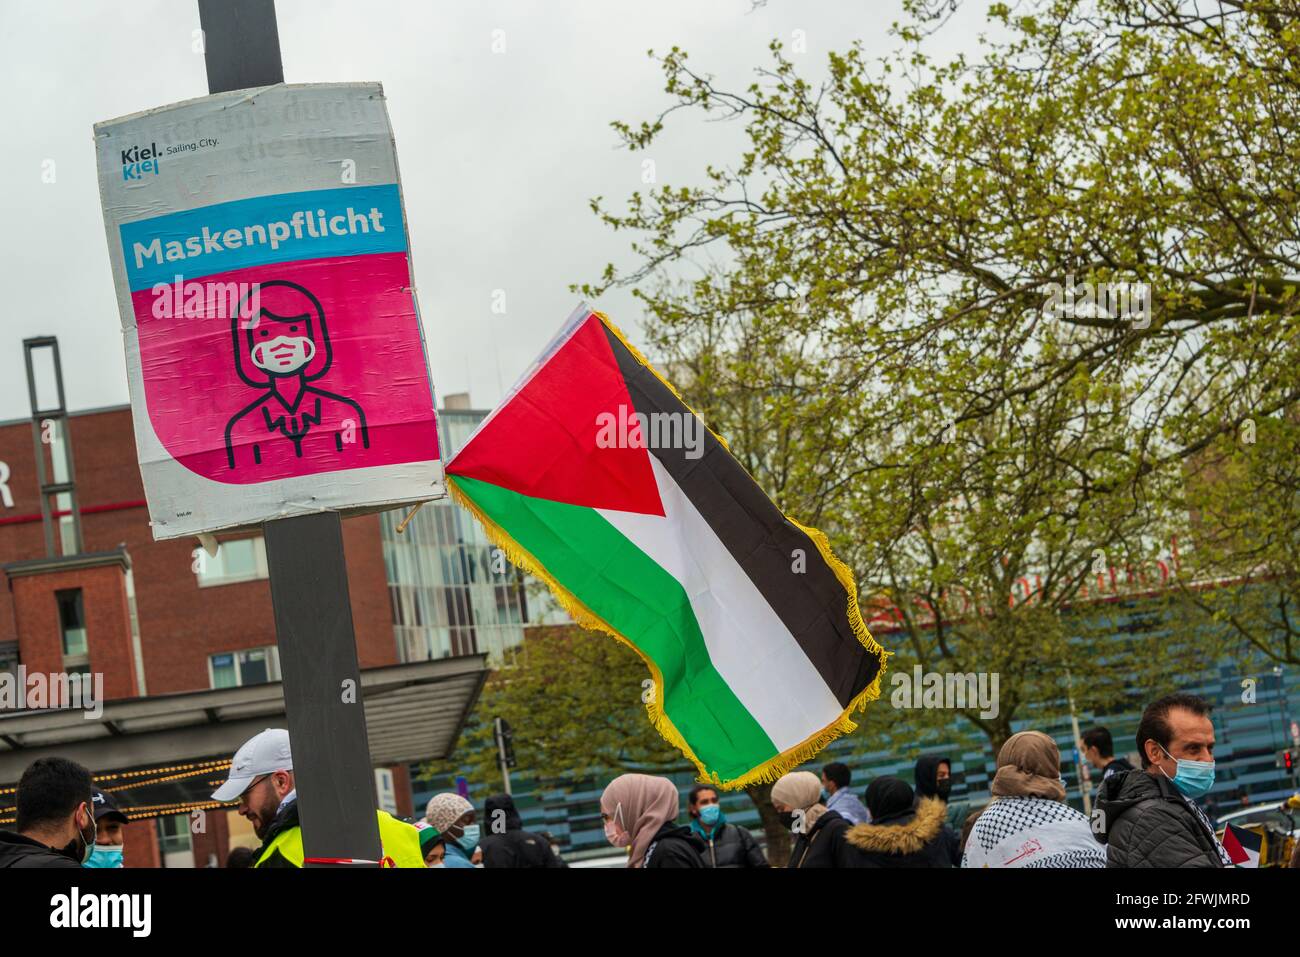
[903, 832]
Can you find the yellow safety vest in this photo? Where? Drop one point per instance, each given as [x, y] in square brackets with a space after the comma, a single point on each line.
[400, 843]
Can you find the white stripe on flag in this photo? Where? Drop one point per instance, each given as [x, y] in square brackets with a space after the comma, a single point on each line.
[748, 644]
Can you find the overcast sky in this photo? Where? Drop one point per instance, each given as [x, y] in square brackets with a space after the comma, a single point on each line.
[500, 152]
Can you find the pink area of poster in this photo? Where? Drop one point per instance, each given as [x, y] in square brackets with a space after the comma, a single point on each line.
[285, 370]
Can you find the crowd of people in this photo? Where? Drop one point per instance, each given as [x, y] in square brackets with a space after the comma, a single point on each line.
[1144, 817]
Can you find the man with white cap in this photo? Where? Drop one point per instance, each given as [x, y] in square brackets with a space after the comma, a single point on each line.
[261, 780]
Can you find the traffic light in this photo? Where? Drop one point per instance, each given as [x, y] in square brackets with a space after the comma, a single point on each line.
[1286, 760]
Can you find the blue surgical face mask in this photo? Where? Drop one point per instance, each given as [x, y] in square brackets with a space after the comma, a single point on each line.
[105, 855]
[710, 814]
[1193, 778]
[469, 840]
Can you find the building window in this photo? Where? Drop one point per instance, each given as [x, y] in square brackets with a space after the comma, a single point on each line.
[240, 560]
[9, 657]
[72, 622]
[174, 834]
[450, 592]
[385, 790]
[81, 683]
[255, 666]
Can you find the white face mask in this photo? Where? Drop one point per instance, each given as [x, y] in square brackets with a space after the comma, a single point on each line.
[283, 354]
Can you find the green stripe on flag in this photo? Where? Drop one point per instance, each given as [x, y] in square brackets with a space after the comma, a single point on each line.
[631, 593]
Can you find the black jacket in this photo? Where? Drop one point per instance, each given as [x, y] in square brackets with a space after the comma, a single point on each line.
[19, 851]
[731, 846]
[825, 845]
[285, 818]
[674, 846]
[915, 837]
[513, 847]
[1115, 766]
[1144, 822]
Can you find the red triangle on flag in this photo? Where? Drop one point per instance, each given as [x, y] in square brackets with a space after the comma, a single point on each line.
[1243, 846]
[1236, 853]
[543, 441]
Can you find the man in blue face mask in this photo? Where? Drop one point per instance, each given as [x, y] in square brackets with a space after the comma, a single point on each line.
[110, 831]
[729, 845]
[1150, 818]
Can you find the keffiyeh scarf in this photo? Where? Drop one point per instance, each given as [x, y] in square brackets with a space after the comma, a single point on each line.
[1032, 832]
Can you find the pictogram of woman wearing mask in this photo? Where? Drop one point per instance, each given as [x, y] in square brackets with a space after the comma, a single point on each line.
[281, 345]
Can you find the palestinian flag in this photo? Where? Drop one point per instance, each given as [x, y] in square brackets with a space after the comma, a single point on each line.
[1243, 846]
[594, 476]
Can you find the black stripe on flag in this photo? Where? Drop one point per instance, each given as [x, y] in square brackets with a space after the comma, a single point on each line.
[812, 604]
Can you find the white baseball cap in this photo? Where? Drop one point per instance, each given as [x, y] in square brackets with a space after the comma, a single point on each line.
[260, 754]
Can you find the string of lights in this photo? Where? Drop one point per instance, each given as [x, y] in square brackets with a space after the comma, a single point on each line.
[213, 765]
[189, 771]
[140, 778]
[162, 810]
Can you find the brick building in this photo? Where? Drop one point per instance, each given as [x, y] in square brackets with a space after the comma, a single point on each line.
[151, 619]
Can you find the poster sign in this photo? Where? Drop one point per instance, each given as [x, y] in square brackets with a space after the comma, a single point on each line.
[273, 345]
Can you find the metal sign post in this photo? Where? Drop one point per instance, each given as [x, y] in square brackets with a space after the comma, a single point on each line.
[309, 583]
[505, 749]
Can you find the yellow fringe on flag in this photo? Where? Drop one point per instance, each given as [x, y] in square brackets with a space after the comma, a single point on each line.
[787, 760]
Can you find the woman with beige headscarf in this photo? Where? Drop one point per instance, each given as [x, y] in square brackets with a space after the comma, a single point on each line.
[1028, 823]
[818, 833]
[639, 811]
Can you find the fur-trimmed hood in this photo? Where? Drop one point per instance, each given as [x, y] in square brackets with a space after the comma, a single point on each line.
[909, 837]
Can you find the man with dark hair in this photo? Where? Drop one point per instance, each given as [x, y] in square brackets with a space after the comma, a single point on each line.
[55, 826]
[240, 856]
[835, 782]
[1098, 750]
[1149, 819]
[729, 845]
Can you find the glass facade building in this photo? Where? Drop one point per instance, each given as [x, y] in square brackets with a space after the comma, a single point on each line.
[452, 591]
